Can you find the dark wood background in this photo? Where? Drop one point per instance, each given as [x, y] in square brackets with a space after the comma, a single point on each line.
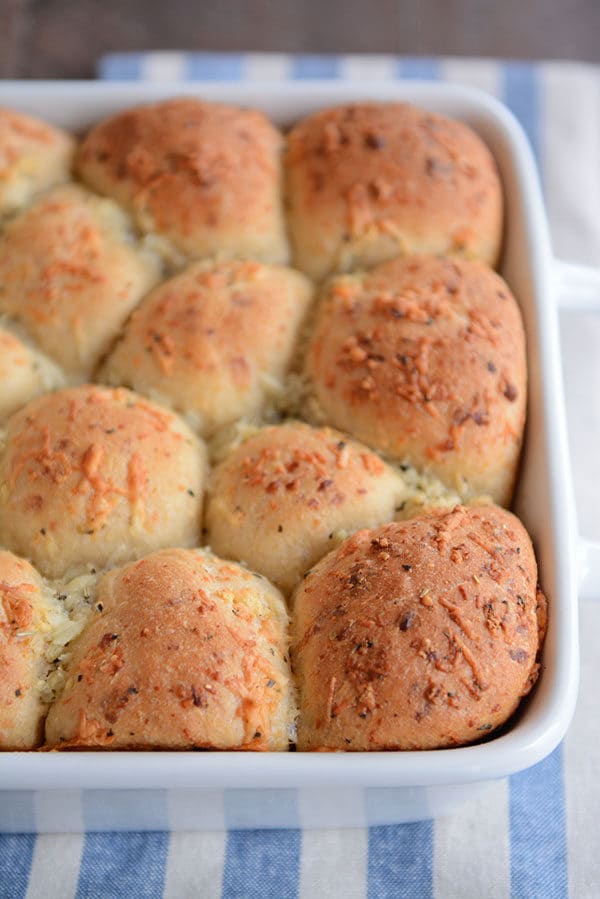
[64, 38]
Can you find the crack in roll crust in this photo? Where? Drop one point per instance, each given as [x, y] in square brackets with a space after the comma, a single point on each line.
[418, 635]
[215, 341]
[205, 176]
[94, 476]
[424, 359]
[281, 499]
[33, 157]
[188, 651]
[369, 182]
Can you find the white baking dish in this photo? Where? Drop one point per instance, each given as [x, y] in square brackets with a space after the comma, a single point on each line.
[112, 791]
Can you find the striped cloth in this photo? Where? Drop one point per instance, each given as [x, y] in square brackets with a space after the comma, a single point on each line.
[533, 836]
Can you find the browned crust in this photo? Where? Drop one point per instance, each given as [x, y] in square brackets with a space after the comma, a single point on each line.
[93, 475]
[205, 175]
[70, 276]
[31, 151]
[368, 181]
[205, 339]
[169, 661]
[279, 499]
[21, 711]
[424, 359]
[418, 635]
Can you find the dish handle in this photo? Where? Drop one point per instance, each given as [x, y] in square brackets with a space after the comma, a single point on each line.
[578, 290]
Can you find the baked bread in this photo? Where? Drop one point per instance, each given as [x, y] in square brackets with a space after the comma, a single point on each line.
[93, 476]
[70, 274]
[424, 359]
[369, 182]
[33, 157]
[185, 651]
[415, 634]
[214, 341]
[30, 616]
[24, 373]
[205, 176]
[282, 499]
[418, 635]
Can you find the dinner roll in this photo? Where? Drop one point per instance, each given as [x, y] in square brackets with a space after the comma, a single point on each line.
[424, 359]
[205, 176]
[280, 500]
[29, 616]
[368, 182]
[33, 157]
[186, 651]
[70, 274]
[24, 373]
[92, 476]
[418, 635]
[214, 341]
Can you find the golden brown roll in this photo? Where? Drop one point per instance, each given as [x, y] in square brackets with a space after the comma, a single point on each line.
[70, 274]
[215, 341]
[369, 182]
[185, 651]
[418, 635]
[30, 617]
[203, 175]
[280, 500]
[24, 373]
[424, 359]
[92, 476]
[33, 157]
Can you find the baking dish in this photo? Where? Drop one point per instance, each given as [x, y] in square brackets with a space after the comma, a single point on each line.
[52, 792]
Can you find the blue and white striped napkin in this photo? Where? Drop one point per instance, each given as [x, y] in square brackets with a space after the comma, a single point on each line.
[534, 836]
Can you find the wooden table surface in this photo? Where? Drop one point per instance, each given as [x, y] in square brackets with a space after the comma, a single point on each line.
[64, 38]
